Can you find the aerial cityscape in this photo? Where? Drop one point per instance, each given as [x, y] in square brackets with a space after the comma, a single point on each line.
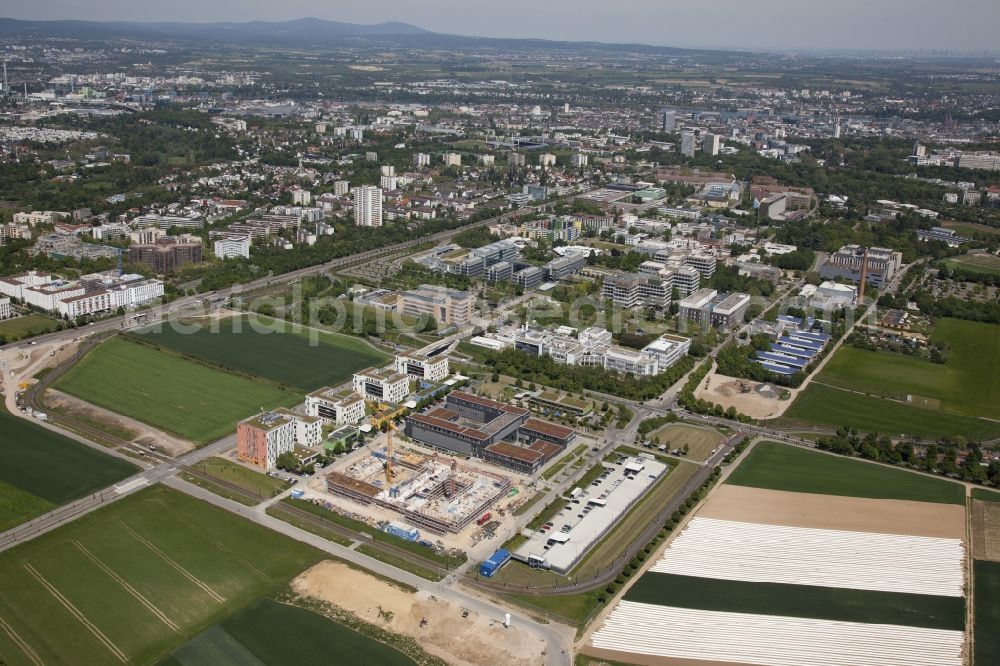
[426, 337]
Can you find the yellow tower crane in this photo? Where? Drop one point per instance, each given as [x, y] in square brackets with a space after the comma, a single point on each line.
[382, 416]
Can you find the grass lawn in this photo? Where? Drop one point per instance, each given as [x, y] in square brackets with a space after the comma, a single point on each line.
[194, 401]
[576, 609]
[134, 580]
[986, 264]
[987, 612]
[27, 326]
[253, 482]
[823, 603]
[43, 469]
[969, 383]
[399, 562]
[969, 228]
[274, 350]
[832, 408]
[306, 638]
[782, 467]
[700, 441]
[277, 511]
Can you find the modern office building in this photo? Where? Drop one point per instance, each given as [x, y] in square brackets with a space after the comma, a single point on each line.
[367, 206]
[165, 255]
[707, 307]
[686, 280]
[446, 306]
[697, 308]
[336, 406]
[384, 385]
[528, 278]
[433, 369]
[703, 262]
[563, 267]
[421, 159]
[631, 290]
[6, 312]
[493, 431]
[730, 311]
[883, 263]
[261, 439]
[233, 246]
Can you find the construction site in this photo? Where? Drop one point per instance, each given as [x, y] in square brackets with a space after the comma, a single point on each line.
[428, 490]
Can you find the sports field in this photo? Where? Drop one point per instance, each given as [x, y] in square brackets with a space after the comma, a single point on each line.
[306, 638]
[782, 467]
[194, 401]
[987, 264]
[42, 470]
[832, 408]
[134, 580]
[275, 350]
[700, 441]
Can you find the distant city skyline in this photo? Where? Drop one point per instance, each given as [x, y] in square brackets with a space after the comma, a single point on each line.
[962, 25]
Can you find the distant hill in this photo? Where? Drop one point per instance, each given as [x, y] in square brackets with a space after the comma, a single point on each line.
[300, 32]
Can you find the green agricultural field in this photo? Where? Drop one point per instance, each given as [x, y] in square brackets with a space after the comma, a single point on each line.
[969, 383]
[306, 638]
[43, 469]
[783, 467]
[809, 601]
[832, 408]
[275, 350]
[970, 228]
[985, 495]
[27, 326]
[700, 441]
[132, 581]
[167, 391]
[986, 601]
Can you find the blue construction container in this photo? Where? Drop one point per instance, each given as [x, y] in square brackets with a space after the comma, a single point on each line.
[403, 531]
[298, 493]
[488, 568]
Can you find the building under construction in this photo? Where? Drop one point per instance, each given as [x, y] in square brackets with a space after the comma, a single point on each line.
[434, 492]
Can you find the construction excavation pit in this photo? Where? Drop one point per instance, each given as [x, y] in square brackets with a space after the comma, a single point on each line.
[432, 491]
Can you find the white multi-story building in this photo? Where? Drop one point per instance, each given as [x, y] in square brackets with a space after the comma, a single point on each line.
[703, 262]
[367, 206]
[36, 217]
[233, 246]
[421, 159]
[580, 160]
[302, 197]
[452, 159]
[687, 144]
[6, 311]
[423, 367]
[546, 160]
[388, 182]
[336, 406]
[341, 187]
[384, 385]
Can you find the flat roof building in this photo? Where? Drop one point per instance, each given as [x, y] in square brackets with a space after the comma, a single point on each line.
[384, 385]
[447, 306]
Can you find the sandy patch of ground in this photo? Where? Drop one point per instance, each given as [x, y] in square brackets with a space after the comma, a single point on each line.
[986, 530]
[144, 435]
[744, 395]
[856, 514]
[471, 641]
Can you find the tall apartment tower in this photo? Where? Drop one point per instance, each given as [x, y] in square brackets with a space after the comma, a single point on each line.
[367, 206]
[669, 121]
[687, 144]
[711, 143]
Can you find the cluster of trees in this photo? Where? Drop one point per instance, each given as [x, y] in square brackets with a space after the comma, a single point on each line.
[949, 306]
[473, 238]
[737, 360]
[968, 275]
[939, 458]
[574, 378]
[649, 425]
[800, 260]
[687, 399]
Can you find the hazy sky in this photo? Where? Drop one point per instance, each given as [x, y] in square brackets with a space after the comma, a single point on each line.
[866, 24]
